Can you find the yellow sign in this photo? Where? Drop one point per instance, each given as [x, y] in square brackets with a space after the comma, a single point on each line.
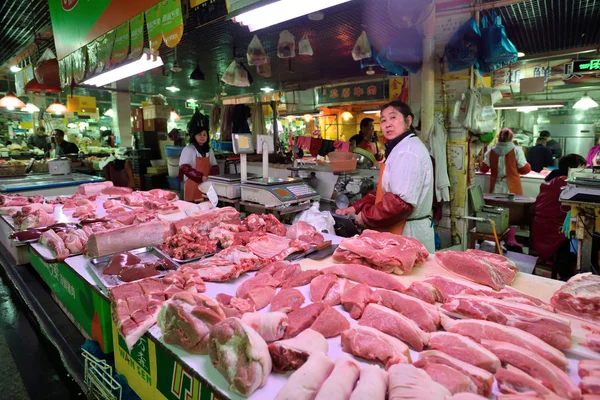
[81, 104]
[398, 89]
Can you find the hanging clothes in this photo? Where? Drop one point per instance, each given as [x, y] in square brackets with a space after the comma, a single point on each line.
[215, 118]
[258, 122]
[240, 115]
[226, 123]
[438, 138]
[506, 163]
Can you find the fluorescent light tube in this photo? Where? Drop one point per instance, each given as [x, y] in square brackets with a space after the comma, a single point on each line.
[146, 62]
[283, 10]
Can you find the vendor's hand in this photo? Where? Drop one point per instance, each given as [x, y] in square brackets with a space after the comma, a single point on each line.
[359, 220]
[346, 211]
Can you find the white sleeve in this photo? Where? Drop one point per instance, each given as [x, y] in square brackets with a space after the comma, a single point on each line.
[408, 177]
[188, 156]
[213, 159]
[520, 156]
[486, 158]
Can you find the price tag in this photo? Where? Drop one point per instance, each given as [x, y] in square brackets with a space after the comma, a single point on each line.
[212, 196]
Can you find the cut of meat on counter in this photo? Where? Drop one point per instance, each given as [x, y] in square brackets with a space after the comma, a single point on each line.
[374, 345]
[548, 326]
[334, 295]
[266, 223]
[580, 297]
[56, 245]
[302, 319]
[426, 316]
[301, 279]
[450, 378]
[35, 219]
[464, 349]
[90, 189]
[291, 354]
[113, 206]
[240, 355]
[116, 191]
[588, 367]
[161, 206]
[330, 323]
[341, 381]
[113, 241]
[85, 209]
[133, 217]
[181, 279]
[356, 298]
[592, 339]
[228, 235]
[473, 396]
[590, 385]
[482, 379]
[119, 261]
[64, 243]
[408, 382]
[7, 200]
[187, 244]
[26, 209]
[256, 282]
[305, 232]
[138, 271]
[275, 248]
[203, 221]
[373, 384]
[287, 300]
[270, 326]
[186, 319]
[537, 367]
[424, 292]
[280, 270]
[233, 306]
[362, 274]
[305, 383]
[261, 296]
[479, 266]
[382, 251]
[484, 330]
[512, 380]
[320, 285]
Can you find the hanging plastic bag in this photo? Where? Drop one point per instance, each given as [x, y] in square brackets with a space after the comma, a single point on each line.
[264, 70]
[287, 45]
[497, 48]
[406, 50]
[229, 75]
[256, 53]
[241, 76]
[362, 48]
[463, 49]
[304, 47]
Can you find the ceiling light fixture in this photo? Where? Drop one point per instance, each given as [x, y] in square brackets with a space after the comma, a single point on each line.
[527, 109]
[173, 88]
[197, 74]
[174, 116]
[585, 103]
[10, 101]
[103, 128]
[280, 11]
[538, 104]
[146, 62]
[371, 111]
[31, 108]
[267, 89]
[370, 71]
[520, 54]
[307, 117]
[192, 100]
[346, 115]
[57, 108]
[15, 68]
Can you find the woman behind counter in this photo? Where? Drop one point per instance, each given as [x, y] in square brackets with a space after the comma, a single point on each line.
[507, 163]
[196, 163]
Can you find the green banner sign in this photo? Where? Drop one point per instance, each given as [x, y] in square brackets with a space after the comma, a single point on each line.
[121, 46]
[153, 26]
[136, 26]
[352, 92]
[171, 21]
[105, 46]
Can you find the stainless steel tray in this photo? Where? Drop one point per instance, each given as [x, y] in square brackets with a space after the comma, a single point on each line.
[193, 259]
[146, 254]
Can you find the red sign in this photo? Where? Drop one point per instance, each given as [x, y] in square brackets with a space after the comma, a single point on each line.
[68, 5]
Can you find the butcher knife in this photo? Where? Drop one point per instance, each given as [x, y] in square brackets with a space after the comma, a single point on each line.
[321, 254]
[322, 246]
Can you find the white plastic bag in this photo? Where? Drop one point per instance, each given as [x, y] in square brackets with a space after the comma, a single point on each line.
[256, 52]
[241, 78]
[264, 70]
[322, 221]
[229, 75]
[304, 47]
[362, 48]
[287, 45]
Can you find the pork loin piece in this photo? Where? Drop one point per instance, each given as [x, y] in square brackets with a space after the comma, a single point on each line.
[240, 355]
[152, 233]
[366, 275]
[305, 383]
[373, 345]
[270, 326]
[512, 380]
[257, 281]
[409, 382]
[372, 385]
[450, 378]
[423, 291]
[588, 367]
[580, 296]
[287, 300]
[261, 296]
[341, 381]
[537, 367]
[301, 279]
[330, 323]
[464, 349]
[426, 316]
[356, 298]
[286, 273]
[334, 295]
[302, 319]
[320, 285]
[481, 378]
[548, 326]
[291, 354]
[186, 318]
[394, 324]
[590, 385]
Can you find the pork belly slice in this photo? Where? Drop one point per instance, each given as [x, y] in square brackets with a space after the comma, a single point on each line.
[512, 380]
[537, 367]
[372, 384]
[409, 382]
[590, 384]
[588, 367]
[341, 381]
[287, 300]
[580, 296]
[270, 326]
[479, 330]
[356, 298]
[330, 323]
[302, 319]
[291, 354]
[394, 324]
[426, 316]
[320, 285]
[240, 355]
[366, 275]
[465, 349]
[373, 345]
[305, 383]
[481, 378]
[450, 378]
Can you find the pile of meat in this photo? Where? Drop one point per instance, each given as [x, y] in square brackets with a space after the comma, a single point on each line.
[157, 196]
[129, 267]
[383, 251]
[27, 219]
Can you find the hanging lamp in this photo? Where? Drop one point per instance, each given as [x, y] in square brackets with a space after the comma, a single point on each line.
[56, 108]
[585, 103]
[10, 102]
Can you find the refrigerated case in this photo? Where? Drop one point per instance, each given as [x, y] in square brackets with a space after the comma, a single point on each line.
[573, 138]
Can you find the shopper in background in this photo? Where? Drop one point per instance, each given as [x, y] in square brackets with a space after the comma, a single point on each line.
[539, 156]
[197, 162]
[366, 139]
[593, 157]
[62, 146]
[566, 162]
[38, 139]
[404, 196]
[552, 144]
[110, 138]
[507, 163]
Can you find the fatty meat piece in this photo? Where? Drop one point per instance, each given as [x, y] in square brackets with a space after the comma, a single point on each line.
[408, 382]
[373, 345]
[270, 326]
[372, 384]
[426, 316]
[305, 383]
[368, 276]
[588, 367]
[424, 292]
[291, 354]
[305, 232]
[464, 349]
[130, 237]
[341, 381]
[512, 380]
[580, 296]
[451, 379]
[233, 306]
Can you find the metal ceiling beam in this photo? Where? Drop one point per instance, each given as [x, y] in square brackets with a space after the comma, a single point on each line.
[478, 7]
[553, 55]
[27, 50]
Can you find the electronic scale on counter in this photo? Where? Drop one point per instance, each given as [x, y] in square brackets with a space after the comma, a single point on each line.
[265, 190]
[583, 185]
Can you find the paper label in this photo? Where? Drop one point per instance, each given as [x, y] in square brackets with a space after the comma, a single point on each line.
[212, 196]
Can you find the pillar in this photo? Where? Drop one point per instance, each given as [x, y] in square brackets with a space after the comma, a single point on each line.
[428, 75]
[121, 105]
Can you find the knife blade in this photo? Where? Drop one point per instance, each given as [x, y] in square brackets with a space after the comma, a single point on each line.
[321, 254]
[314, 249]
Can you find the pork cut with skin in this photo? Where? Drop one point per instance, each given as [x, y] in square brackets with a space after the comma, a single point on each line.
[35, 219]
[373, 345]
[341, 381]
[305, 383]
[287, 300]
[362, 274]
[291, 354]
[450, 378]
[330, 323]
[512, 380]
[588, 367]
[465, 349]
[234, 306]
[426, 316]
[51, 240]
[590, 385]
[152, 233]
[116, 191]
[90, 189]
[261, 296]
[580, 297]
[408, 382]
[372, 384]
[270, 326]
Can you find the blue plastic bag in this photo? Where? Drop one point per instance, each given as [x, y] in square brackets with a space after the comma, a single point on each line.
[497, 49]
[464, 48]
[405, 50]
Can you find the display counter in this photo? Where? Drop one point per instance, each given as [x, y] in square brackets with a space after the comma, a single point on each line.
[530, 183]
[46, 184]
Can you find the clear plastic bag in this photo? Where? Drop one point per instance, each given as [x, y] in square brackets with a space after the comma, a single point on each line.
[322, 221]
[256, 53]
[463, 49]
[264, 70]
[304, 47]
[287, 45]
[229, 75]
[362, 48]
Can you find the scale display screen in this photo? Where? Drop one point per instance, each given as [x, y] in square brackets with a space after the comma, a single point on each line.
[281, 192]
[242, 143]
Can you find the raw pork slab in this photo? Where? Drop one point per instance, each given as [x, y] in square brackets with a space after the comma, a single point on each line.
[356, 298]
[152, 233]
[588, 367]
[426, 316]
[424, 292]
[287, 300]
[394, 324]
[512, 380]
[291, 354]
[303, 318]
[330, 323]
[90, 189]
[464, 349]
[366, 275]
[320, 285]
[270, 326]
[373, 345]
[450, 378]
[372, 385]
[580, 296]
[268, 246]
[408, 382]
[341, 381]
[305, 232]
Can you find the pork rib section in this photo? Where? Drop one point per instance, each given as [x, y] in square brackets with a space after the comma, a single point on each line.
[152, 233]
[291, 354]
[366, 275]
[478, 266]
[409, 382]
[548, 326]
[373, 345]
[372, 384]
[341, 381]
[394, 324]
[580, 296]
[464, 349]
[305, 383]
[484, 330]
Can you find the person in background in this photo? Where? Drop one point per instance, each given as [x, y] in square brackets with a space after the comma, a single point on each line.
[539, 156]
[549, 216]
[506, 162]
[62, 146]
[110, 138]
[196, 163]
[403, 200]
[38, 139]
[552, 144]
[366, 139]
[593, 157]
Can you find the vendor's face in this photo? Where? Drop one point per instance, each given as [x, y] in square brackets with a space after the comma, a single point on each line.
[369, 130]
[201, 137]
[41, 132]
[59, 138]
[393, 123]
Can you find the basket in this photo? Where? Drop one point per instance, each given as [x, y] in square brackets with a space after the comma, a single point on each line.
[173, 151]
[173, 166]
[342, 161]
[13, 170]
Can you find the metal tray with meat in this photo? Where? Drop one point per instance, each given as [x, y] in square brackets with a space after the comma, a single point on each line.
[195, 258]
[128, 266]
[21, 238]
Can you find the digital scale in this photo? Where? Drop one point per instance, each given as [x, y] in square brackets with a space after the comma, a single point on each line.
[583, 185]
[265, 190]
[228, 186]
